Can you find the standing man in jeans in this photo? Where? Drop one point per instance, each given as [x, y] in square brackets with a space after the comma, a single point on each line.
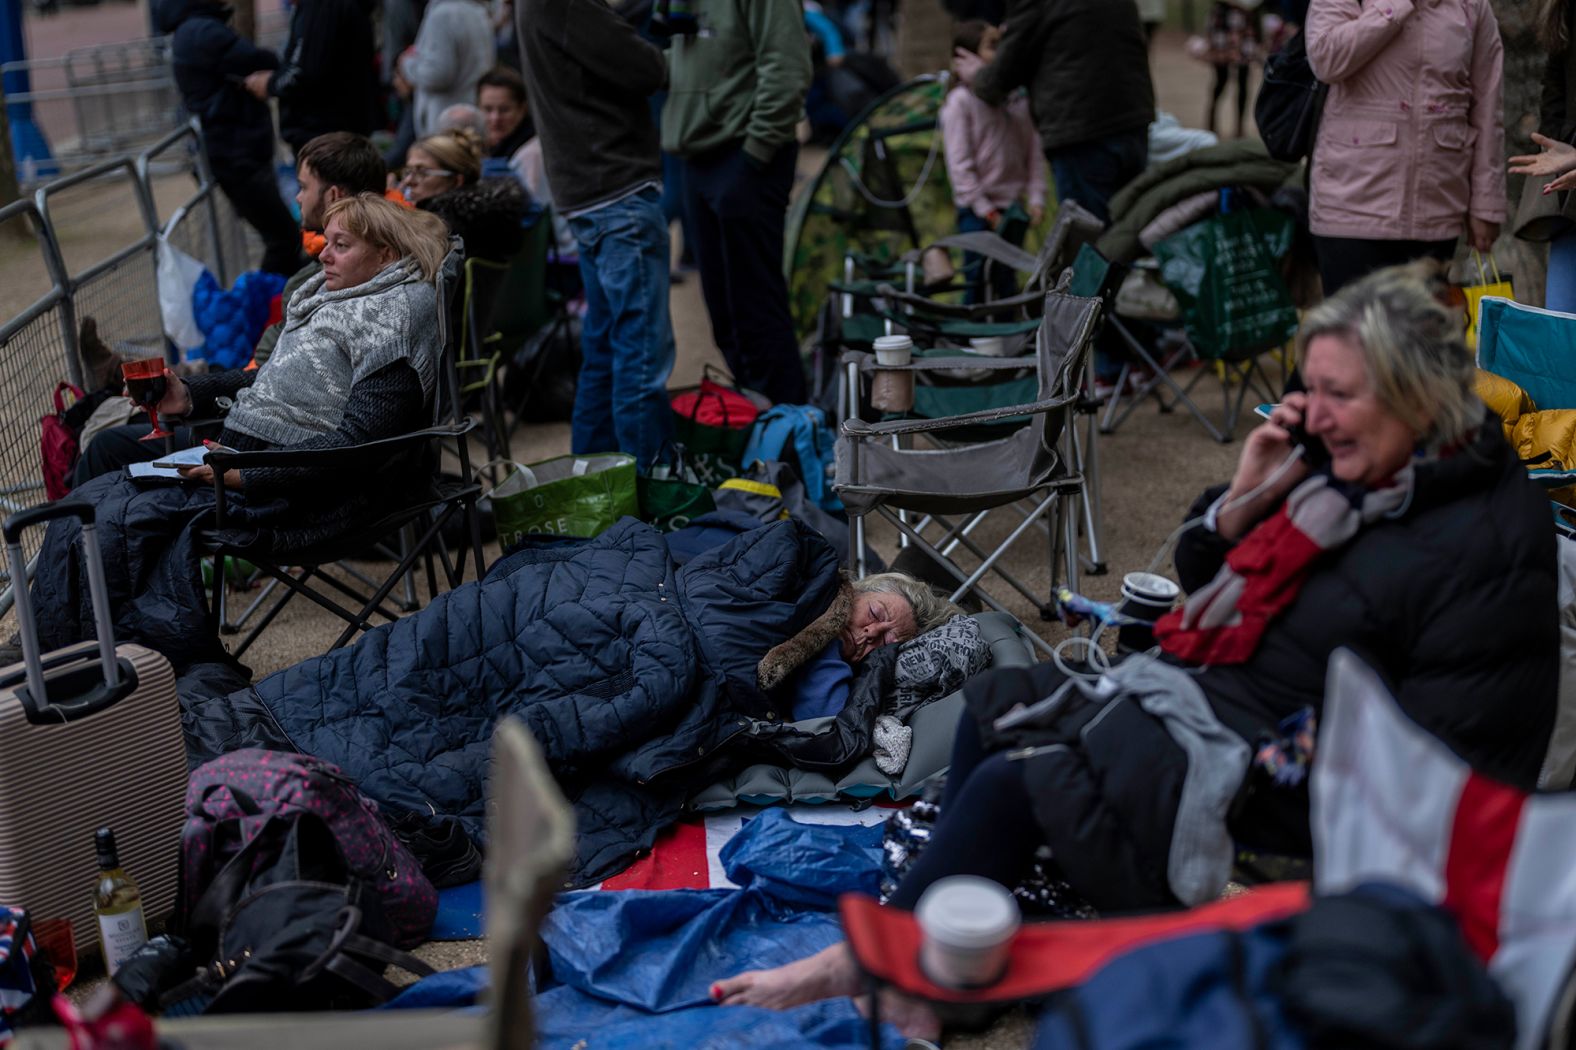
[588, 75]
[735, 95]
[1086, 65]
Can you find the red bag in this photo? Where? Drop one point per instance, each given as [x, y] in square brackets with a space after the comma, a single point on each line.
[58, 442]
[714, 405]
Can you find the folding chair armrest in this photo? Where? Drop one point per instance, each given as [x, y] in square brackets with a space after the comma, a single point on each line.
[867, 363]
[346, 456]
[860, 429]
[966, 311]
[993, 247]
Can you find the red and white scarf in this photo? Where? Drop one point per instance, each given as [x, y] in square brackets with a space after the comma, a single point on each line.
[1222, 622]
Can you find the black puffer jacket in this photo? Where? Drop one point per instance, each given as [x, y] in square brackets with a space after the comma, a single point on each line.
[327, 79]
[211, 60]
[1086, 66]
[1453, 603]
[486, 215]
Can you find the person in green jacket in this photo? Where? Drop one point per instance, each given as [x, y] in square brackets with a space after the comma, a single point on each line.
[736, 86]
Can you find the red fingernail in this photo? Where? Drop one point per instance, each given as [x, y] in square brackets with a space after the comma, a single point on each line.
[716, 993]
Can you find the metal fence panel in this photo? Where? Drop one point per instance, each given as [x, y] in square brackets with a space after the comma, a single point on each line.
[34, 357]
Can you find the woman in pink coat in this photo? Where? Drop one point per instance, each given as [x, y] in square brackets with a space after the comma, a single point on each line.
[1410, 152]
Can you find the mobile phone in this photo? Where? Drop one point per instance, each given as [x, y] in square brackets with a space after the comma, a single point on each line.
[1313, 451]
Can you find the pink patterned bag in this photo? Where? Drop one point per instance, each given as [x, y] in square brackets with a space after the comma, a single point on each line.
[231, 799]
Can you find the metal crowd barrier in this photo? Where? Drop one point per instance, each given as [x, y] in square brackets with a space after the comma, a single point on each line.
[40, 346]
[96, 102]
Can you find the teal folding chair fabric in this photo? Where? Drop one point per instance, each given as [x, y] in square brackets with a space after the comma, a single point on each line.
[1532, 348]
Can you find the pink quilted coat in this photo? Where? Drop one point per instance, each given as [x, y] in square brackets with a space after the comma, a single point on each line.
[1411, 142]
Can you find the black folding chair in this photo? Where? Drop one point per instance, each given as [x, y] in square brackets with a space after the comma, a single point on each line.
[415, 531]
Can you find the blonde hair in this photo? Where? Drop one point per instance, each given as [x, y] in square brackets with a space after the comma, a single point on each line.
[417, 235]
[930, 609]
[458, 149]
[1413, 347]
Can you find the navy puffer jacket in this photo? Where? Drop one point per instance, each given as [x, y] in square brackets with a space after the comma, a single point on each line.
[632, 674]
[211, 62]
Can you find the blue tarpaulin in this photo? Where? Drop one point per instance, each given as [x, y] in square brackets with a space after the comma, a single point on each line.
[633, 969]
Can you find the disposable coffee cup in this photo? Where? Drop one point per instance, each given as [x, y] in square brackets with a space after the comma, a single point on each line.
[1148, 596]
[894, 350]
[990, 345]
[1145, 597]
[967, 924]
[893, 391]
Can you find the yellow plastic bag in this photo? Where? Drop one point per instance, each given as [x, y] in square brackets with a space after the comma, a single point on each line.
[1499, 287]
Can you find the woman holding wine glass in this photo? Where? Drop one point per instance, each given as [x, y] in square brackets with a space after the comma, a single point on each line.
[357, 361]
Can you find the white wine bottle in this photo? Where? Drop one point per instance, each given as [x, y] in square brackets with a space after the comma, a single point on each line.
[117, 902]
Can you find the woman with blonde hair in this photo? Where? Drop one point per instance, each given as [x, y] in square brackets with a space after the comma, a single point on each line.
[1381, 511]
[443, 175]
[358, 361]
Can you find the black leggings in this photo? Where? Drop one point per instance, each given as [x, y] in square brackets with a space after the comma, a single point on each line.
[1222, 78]
[987, 826]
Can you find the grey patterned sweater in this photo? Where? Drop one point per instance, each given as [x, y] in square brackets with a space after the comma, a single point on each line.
[331, 341]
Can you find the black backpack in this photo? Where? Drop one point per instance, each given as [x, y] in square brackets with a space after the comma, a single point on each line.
[1290, 102]
[283, 925]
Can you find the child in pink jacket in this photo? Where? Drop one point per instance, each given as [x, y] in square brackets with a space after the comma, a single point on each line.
[993, 161]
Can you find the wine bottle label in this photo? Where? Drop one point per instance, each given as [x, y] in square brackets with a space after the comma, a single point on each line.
[121, 935]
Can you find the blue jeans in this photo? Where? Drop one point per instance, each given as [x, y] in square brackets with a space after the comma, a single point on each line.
[626, 338]
[1560, 289]
[1091, 172]
[1003, 279]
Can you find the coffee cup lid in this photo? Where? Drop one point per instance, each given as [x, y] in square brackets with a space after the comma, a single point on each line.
[1149, 585]
[964, 911]
[893, 342]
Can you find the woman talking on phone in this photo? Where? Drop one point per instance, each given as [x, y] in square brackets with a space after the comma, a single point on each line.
[357, 361]
[1381, 511]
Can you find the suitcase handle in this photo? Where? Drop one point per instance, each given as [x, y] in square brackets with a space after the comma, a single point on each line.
[116, 681]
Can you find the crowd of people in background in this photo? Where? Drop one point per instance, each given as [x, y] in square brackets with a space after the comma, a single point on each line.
[627, 122]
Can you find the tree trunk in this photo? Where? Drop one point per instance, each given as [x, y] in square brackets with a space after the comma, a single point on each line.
[9, 190]
[1524, 60]
[924, 37]
[245, 18]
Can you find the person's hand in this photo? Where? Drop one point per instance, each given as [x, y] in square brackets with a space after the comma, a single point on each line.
[1036, 213]
[1556, 158]
[203, 474]
[1263, 453]
[1566, 181]
[966, 64]
[1482, 234]
[402, 86]
[257, 84]
[177, 400]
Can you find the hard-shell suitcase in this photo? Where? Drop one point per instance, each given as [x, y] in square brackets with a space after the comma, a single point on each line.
[90, 736]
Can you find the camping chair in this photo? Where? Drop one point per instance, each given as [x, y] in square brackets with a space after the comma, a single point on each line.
[875, 473]
[1532, 348]
[530, 841]
[925, 311]
[1145, 373]
[415, 529]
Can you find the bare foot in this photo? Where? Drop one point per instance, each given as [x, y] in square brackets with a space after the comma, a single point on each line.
[913, 1017]
[827, 974]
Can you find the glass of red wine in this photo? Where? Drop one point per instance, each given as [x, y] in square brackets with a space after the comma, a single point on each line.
[146, 385]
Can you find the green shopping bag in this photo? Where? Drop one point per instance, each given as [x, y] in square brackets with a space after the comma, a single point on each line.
[1224, 272]
[671, 504]
[565, 496]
